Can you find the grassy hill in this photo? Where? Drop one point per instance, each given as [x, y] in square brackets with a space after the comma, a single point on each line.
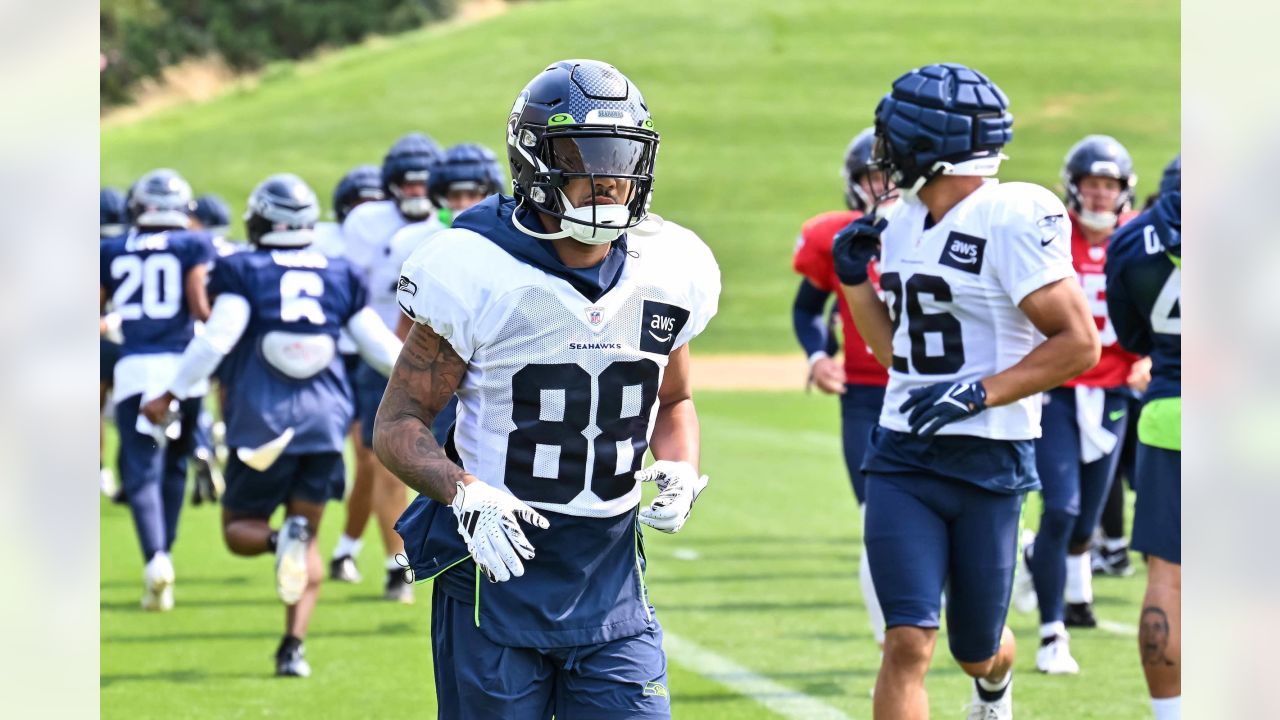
[755, 100]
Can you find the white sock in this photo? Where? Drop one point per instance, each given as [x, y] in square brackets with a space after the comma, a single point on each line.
[1114, 544]
[392, 563]
[347, 546]
[996, 686]
[870, 599]
[1079, 579]
[1167, 708]
[1048, 630]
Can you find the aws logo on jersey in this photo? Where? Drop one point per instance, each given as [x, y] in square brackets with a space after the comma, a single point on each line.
[963, 252]
[660, 323]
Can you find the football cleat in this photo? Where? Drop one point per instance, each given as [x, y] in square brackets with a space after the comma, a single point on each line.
[1112, 562]
[290, 658]
[157, 578]
[399, 586]
[1001, 709]
[1053, 657]
[343, 569]
[1079, 615]
[107, 482]
[1024, 587]
[291, 559]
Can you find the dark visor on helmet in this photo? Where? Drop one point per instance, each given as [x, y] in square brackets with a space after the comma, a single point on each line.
[599, 155]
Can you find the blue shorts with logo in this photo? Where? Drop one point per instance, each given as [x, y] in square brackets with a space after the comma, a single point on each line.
[481, 680]
[311, 477]
[942, 514]
[369, 385]
[1157, 509]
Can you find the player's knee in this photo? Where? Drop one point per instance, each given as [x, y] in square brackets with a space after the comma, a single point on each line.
[1056, 524]
[908, 647]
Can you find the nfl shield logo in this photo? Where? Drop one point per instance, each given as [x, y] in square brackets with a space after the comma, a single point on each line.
[595, 315]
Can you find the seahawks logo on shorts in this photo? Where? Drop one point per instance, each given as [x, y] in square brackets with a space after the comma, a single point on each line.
[963, 252]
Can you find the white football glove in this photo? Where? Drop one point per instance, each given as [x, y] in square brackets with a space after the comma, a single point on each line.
[678, 485]
[487, 522]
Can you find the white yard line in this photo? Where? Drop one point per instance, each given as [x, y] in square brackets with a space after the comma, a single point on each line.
[1117, 628]
[779, 699]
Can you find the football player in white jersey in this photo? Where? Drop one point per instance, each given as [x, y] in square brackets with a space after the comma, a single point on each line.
[563, 326]
[367, 232]
[981, 313]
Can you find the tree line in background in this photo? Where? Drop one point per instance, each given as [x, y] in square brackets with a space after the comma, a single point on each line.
[140, 38]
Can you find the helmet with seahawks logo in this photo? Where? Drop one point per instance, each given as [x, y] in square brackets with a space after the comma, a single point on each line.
[1098, 156]
[281, 212]
[465, 166]
[410, 160]
[361, 183]
[582, 119]
[161, 199]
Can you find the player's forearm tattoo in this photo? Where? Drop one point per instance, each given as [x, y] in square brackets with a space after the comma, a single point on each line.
[424, 378]
[1153, 637]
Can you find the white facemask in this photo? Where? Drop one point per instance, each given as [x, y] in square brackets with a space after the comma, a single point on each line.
[576, 223]
[415, 208]
[1097, 221]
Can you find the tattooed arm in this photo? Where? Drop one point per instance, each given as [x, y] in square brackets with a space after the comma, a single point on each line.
[425, 376]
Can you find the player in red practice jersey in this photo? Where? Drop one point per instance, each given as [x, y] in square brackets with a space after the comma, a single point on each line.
[861, 379]
[1084, 420]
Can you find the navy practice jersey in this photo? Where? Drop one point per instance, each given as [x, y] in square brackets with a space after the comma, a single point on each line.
[277, 375]
[144, 274]
[1144, 291]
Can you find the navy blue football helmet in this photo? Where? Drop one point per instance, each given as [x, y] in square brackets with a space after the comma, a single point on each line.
[858, 162]
[941, 119]
[1171, 180]
[1098, 156]
[465, 166]
[410, 160]
[281, 212]
[113, 216]
[212, 213]
[161, 199]
[582, 119]
[361, 183]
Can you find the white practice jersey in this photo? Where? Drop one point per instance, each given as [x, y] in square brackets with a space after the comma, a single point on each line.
[330, 243]
[560, 395]
[367, 232]
[953, 292]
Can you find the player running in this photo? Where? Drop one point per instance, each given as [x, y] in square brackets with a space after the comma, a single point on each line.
[367, 233]
[276, 315]
[973, 272]
[564, 329]
[154, 278]
[860, 381]
[1144, 297]
[1084, 421]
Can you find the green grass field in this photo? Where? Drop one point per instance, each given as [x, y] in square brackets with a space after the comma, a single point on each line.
[755, 100]
[764, 576]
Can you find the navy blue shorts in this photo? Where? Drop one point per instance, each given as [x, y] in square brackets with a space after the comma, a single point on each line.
[478, 679]
[369, 385]
[859, 413]
[1068, 485]
[925, 534]
[108, 356]
[312, 477]
[1157, 510]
